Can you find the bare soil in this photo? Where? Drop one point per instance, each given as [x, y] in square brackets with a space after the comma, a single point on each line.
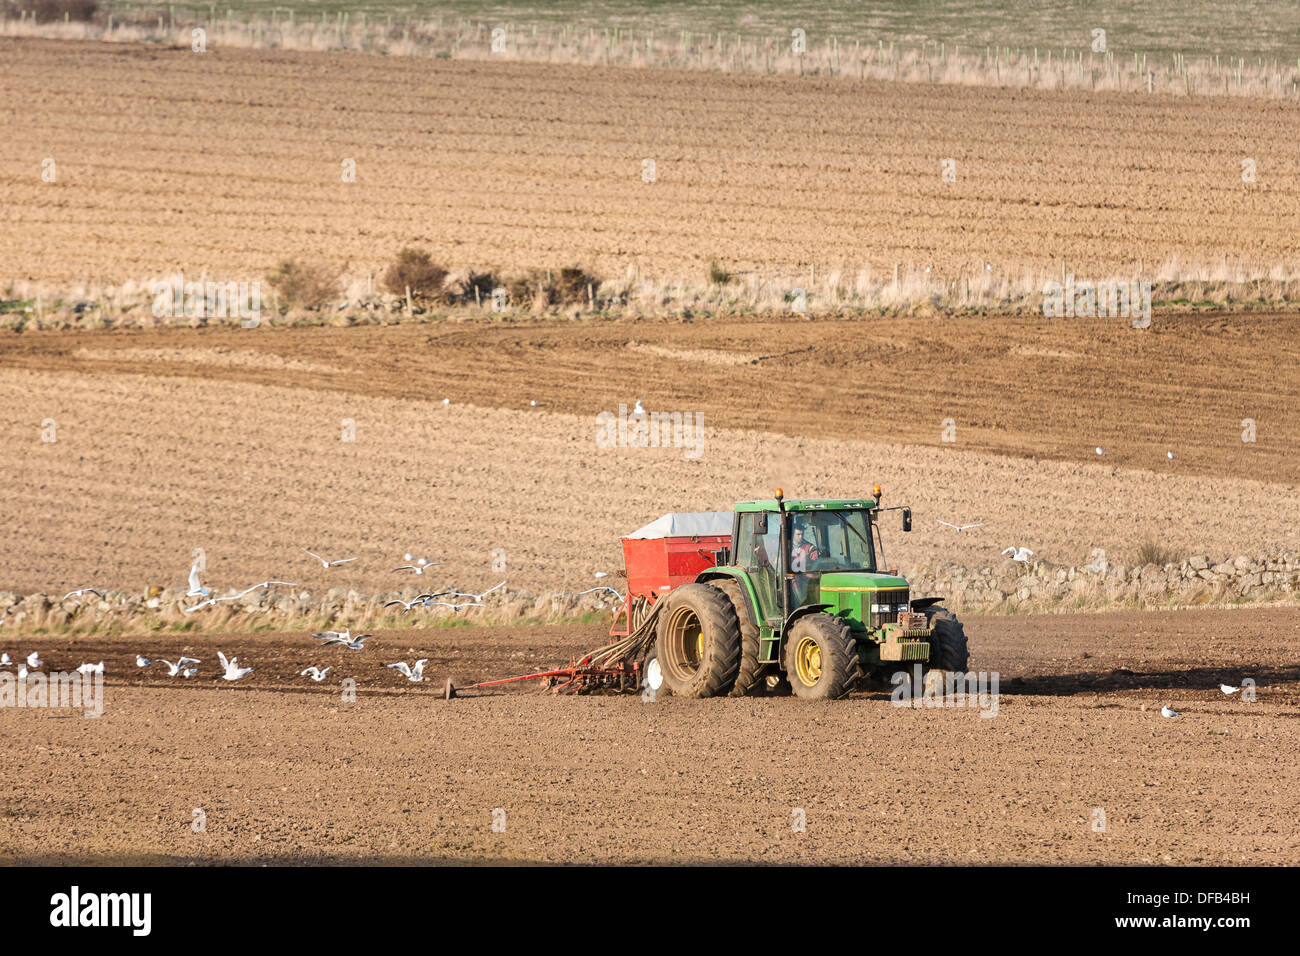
[232, 441]
[285, 771]
[225, 162]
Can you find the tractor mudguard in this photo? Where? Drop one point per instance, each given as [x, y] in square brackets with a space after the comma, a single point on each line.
[920, 604]
[745, 587]
[803, 612]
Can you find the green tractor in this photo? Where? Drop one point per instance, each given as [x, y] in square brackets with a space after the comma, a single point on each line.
[799, 603]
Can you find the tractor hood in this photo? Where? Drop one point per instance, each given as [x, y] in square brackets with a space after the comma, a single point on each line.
[860, 581]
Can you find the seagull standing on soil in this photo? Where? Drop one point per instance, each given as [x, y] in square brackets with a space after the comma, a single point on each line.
[142, 661]
[638, 410]
[1166, 712]
[5, 660]
[1018, 554]
[34, 660]
[413, 674]
[315, 673]
[962, 527]
[1228, 689]
[233, 670]
[328, 564]
[1098, 450]
[91, 668]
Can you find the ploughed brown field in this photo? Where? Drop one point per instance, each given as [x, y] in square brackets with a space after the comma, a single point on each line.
[232, 441]
[285, 771]
[230, 160]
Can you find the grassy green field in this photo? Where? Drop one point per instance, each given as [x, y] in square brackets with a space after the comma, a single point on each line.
[1244, 28]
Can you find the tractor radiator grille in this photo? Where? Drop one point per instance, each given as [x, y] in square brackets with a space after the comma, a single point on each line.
[886, 605]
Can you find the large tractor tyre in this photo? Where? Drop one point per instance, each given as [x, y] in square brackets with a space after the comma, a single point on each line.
[948, 650]
[698, 641]
[821, 658]
[748, 677]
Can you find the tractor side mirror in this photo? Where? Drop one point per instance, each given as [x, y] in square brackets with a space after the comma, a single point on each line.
[907, 519]
[760, 526]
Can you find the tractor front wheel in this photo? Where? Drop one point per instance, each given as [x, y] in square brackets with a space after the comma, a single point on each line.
[698, 643]
[821, 659]
[948, 650]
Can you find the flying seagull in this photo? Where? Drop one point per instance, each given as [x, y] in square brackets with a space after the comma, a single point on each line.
[601, 588]
[1166, 712]
[233, 670]
[191, 671]
[413, 674]
[174, 669]
[328, 564]
[344, 638]
[963, 527]
[196, 589]
[91, 668]
[420, 600]
[236, 597]
[142, 661]
[419, 567]
[81, 591]
[471, 594]
[1228, 690]
[34, 660]
[1019, 554]
[315, 673]
[454, 607]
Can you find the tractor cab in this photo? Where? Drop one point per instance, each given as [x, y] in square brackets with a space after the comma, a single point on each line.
[800, 554]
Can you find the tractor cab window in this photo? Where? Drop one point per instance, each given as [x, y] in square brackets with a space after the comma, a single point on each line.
[758, 551]
[831, 541]
[822, 541]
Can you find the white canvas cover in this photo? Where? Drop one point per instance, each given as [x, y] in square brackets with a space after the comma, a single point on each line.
[683, 524]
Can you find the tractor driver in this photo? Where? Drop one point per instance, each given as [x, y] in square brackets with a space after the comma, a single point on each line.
[802, 553]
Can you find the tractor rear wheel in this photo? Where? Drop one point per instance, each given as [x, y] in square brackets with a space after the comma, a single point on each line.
[698, 642]
[748, 677]
[948, 650]
[821, 659]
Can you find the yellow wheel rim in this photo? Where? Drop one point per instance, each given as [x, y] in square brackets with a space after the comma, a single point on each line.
[808, 661]
[699, 647]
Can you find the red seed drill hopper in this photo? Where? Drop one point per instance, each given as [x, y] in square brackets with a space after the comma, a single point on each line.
[669, 551]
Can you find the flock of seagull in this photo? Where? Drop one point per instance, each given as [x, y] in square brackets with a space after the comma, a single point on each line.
[187, 667]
